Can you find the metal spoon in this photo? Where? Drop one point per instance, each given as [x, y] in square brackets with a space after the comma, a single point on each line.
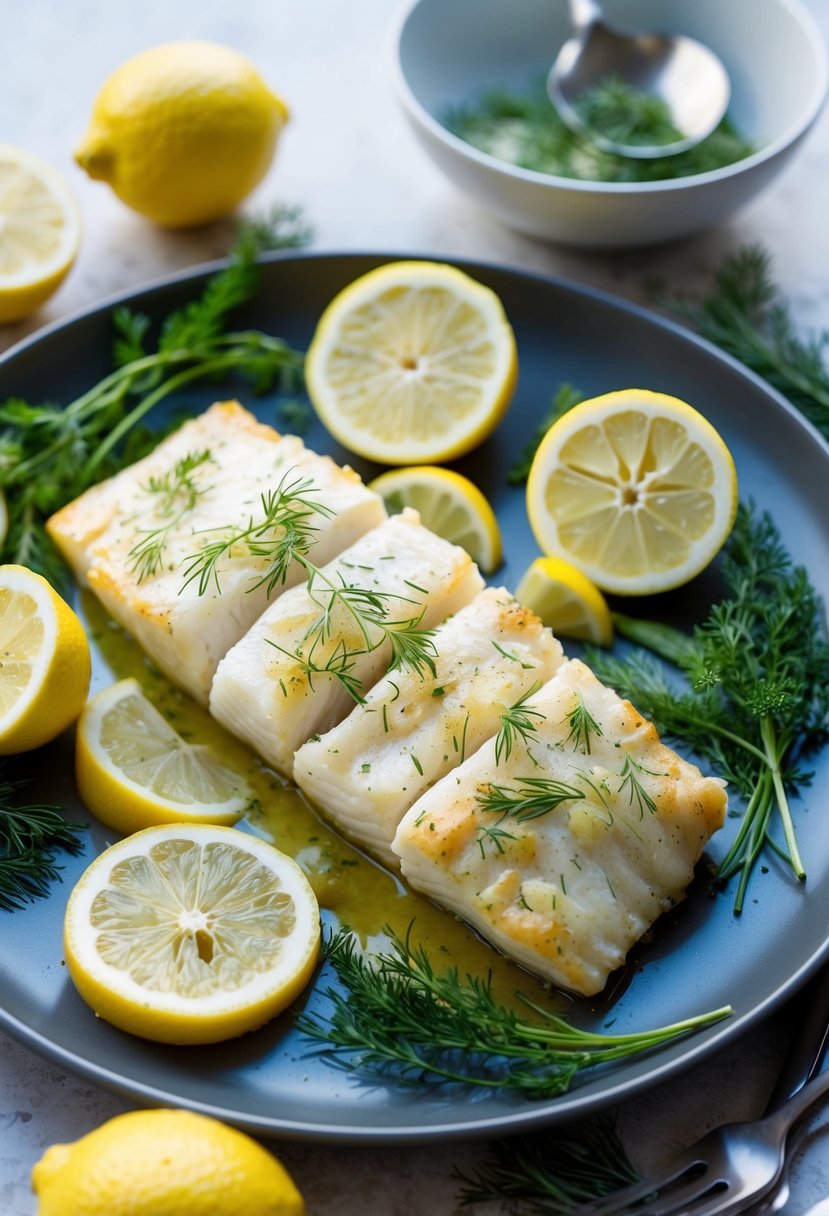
[686, 75]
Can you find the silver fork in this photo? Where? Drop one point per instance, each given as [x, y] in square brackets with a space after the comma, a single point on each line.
[735, 1166]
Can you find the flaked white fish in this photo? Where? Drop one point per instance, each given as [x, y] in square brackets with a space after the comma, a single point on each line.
[568, 884]
[366, 772]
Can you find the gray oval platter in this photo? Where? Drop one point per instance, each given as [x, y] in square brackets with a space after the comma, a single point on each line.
[701, 957]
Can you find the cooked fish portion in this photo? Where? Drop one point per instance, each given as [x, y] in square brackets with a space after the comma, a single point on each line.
[277, 687]
[367, 771]
[563, 853]
[133, 538]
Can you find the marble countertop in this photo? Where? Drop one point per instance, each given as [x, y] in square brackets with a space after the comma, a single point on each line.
[349, 159]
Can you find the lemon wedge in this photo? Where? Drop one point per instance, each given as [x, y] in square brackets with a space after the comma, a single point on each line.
[189, 933]
[40, 231]
[414, 362]
[134, 770]
[449, 505]
[637, 489]
[565, 600]
[44, 662]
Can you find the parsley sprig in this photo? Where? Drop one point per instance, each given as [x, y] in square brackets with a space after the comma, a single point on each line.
[756, 694]
[395, 1015]
[50, 453]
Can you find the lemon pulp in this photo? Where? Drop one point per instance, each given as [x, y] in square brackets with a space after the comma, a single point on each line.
[191, 933]
[412, 362]
[636, 489]
[40, 232]
[449, 505]
[134, 770]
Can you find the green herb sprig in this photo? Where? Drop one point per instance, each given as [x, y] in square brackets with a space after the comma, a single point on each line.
[49, 453]
[394, 1015]
[284, 534]
[177, 492]
[550, 1173]
[745, 315]
[756, 694]
[30, 838]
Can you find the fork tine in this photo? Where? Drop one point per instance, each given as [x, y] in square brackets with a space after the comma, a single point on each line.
[620, 1201]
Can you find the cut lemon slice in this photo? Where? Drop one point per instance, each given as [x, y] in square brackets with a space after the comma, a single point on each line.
[44, 662]
[565, 600]
[449, 505]
[635, 488]
[40, 230]
[412, 363]
[134, 770]
[191, 933]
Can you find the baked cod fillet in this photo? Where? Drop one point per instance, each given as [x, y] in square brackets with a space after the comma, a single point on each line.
[201, 483]
[366, 772]
[271, 688]
[564, 854]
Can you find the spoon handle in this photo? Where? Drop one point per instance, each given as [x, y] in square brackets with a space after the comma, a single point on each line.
[584, 14]
[808, 1020]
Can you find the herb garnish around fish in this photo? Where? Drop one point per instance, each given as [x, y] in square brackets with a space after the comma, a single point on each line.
[756, 697]
[744, 314]
[49, 453]
[284, 534]
[30, 837]
[396, 1016]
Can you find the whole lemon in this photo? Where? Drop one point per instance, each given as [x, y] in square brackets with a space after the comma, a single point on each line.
[163, 1163]
[183, 132]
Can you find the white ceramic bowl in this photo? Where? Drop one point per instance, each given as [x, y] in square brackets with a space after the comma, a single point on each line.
[447, 51]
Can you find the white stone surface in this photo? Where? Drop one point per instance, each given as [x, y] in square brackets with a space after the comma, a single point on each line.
[348, 157]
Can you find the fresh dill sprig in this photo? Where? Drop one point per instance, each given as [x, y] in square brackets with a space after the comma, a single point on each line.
[566, 396]
[178, 494]
[636, 791]
[756, 694]
[395, 1016]
[529, 798]
[583, 726]
[553, 1171]
[518, 721]
[744, 314]
[30, 837]
[50, 453]
[285, 534]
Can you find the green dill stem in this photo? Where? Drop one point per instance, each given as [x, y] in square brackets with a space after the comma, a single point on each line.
[222, 363]
[610, 1046]
[774, 751]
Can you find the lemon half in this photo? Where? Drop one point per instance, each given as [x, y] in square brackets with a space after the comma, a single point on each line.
[449, 505]
[414, 362]
[637, 489]
[40, 231]
[44, 662]
[189, 933]
[134, 770]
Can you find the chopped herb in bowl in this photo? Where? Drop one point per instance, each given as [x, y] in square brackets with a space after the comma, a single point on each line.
[524, 129]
